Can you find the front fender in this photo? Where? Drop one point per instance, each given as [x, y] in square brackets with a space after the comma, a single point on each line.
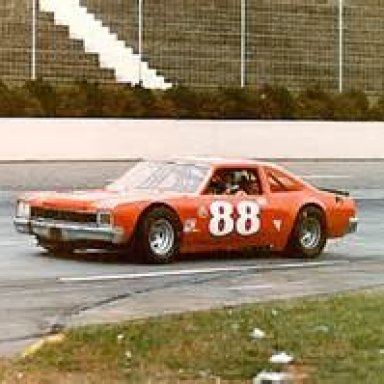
[126, 217]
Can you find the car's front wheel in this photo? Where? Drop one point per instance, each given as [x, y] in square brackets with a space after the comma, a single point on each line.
[308, 237]
[158, 236]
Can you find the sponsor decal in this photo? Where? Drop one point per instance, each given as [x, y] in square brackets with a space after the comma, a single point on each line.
[277, 224]
[190, 226]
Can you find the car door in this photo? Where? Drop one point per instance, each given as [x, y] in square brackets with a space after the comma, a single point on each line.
[233, 219]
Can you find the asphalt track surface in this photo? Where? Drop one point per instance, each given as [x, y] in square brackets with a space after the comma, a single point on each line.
[40, 293]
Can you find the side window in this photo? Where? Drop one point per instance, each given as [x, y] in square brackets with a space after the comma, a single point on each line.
[250, 182]
[280, 182]
[233, 181]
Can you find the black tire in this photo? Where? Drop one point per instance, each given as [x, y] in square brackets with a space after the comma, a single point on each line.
[158, 236]
[308, 237]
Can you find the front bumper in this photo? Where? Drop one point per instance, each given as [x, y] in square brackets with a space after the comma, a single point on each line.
[67, 231]
[352, 225]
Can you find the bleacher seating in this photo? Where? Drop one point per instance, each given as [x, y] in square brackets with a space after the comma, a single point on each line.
[59, 58]
[197, 42]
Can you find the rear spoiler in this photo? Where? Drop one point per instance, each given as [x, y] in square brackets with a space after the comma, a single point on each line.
[335, 191]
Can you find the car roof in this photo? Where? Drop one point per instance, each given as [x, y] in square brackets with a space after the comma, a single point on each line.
[222, 162]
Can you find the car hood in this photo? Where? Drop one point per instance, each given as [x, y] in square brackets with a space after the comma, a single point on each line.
[90, 200]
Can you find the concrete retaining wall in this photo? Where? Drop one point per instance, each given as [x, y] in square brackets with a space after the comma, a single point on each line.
[86, 139]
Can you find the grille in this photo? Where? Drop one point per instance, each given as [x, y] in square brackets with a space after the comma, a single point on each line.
[54, 214]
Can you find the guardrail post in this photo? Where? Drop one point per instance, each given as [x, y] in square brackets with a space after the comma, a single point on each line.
[341, 46]
[34, 39]
[243, 41]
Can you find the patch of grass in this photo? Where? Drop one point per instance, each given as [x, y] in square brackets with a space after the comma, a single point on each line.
[334, 340]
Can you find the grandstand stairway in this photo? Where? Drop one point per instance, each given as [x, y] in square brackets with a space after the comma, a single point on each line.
[97, 38]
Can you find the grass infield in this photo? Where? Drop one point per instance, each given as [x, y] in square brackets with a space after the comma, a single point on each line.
[337, 339]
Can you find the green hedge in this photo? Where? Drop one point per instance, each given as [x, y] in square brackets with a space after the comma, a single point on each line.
[82, 99]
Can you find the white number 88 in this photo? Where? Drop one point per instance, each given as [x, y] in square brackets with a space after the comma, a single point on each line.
[222, 223]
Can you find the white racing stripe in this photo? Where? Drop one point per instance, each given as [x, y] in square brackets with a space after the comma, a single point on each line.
[188, 272]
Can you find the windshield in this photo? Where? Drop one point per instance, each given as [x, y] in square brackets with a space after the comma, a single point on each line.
[161, 176]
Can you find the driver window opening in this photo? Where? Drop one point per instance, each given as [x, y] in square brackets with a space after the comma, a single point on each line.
[233, 181]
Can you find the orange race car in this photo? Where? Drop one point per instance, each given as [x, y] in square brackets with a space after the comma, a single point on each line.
[161, 208]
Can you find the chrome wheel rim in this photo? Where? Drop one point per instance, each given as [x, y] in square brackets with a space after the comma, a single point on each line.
[310, 233]
[161, 237]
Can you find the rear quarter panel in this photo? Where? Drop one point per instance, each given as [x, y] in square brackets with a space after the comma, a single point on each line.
[285, 206]
[338, 212]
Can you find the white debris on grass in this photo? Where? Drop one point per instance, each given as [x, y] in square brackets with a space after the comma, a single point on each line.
[322, 328]
[381, 351]
[274, 312]
[120, 337]
[257, 333]
[281, 358]
[128, 355]
[273, 377]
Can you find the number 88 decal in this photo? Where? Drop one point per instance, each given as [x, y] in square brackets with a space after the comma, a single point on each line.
[222, 223]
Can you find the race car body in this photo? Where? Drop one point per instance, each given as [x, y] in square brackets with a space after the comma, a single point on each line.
[162, 208]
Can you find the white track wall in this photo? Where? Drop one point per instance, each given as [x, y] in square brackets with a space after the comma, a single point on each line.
[86, 139]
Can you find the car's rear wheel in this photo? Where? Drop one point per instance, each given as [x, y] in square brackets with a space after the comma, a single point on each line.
[158, 236]
[308, 237]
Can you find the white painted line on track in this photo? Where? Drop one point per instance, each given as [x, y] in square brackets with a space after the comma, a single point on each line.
[201, 271]
[250, 287]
